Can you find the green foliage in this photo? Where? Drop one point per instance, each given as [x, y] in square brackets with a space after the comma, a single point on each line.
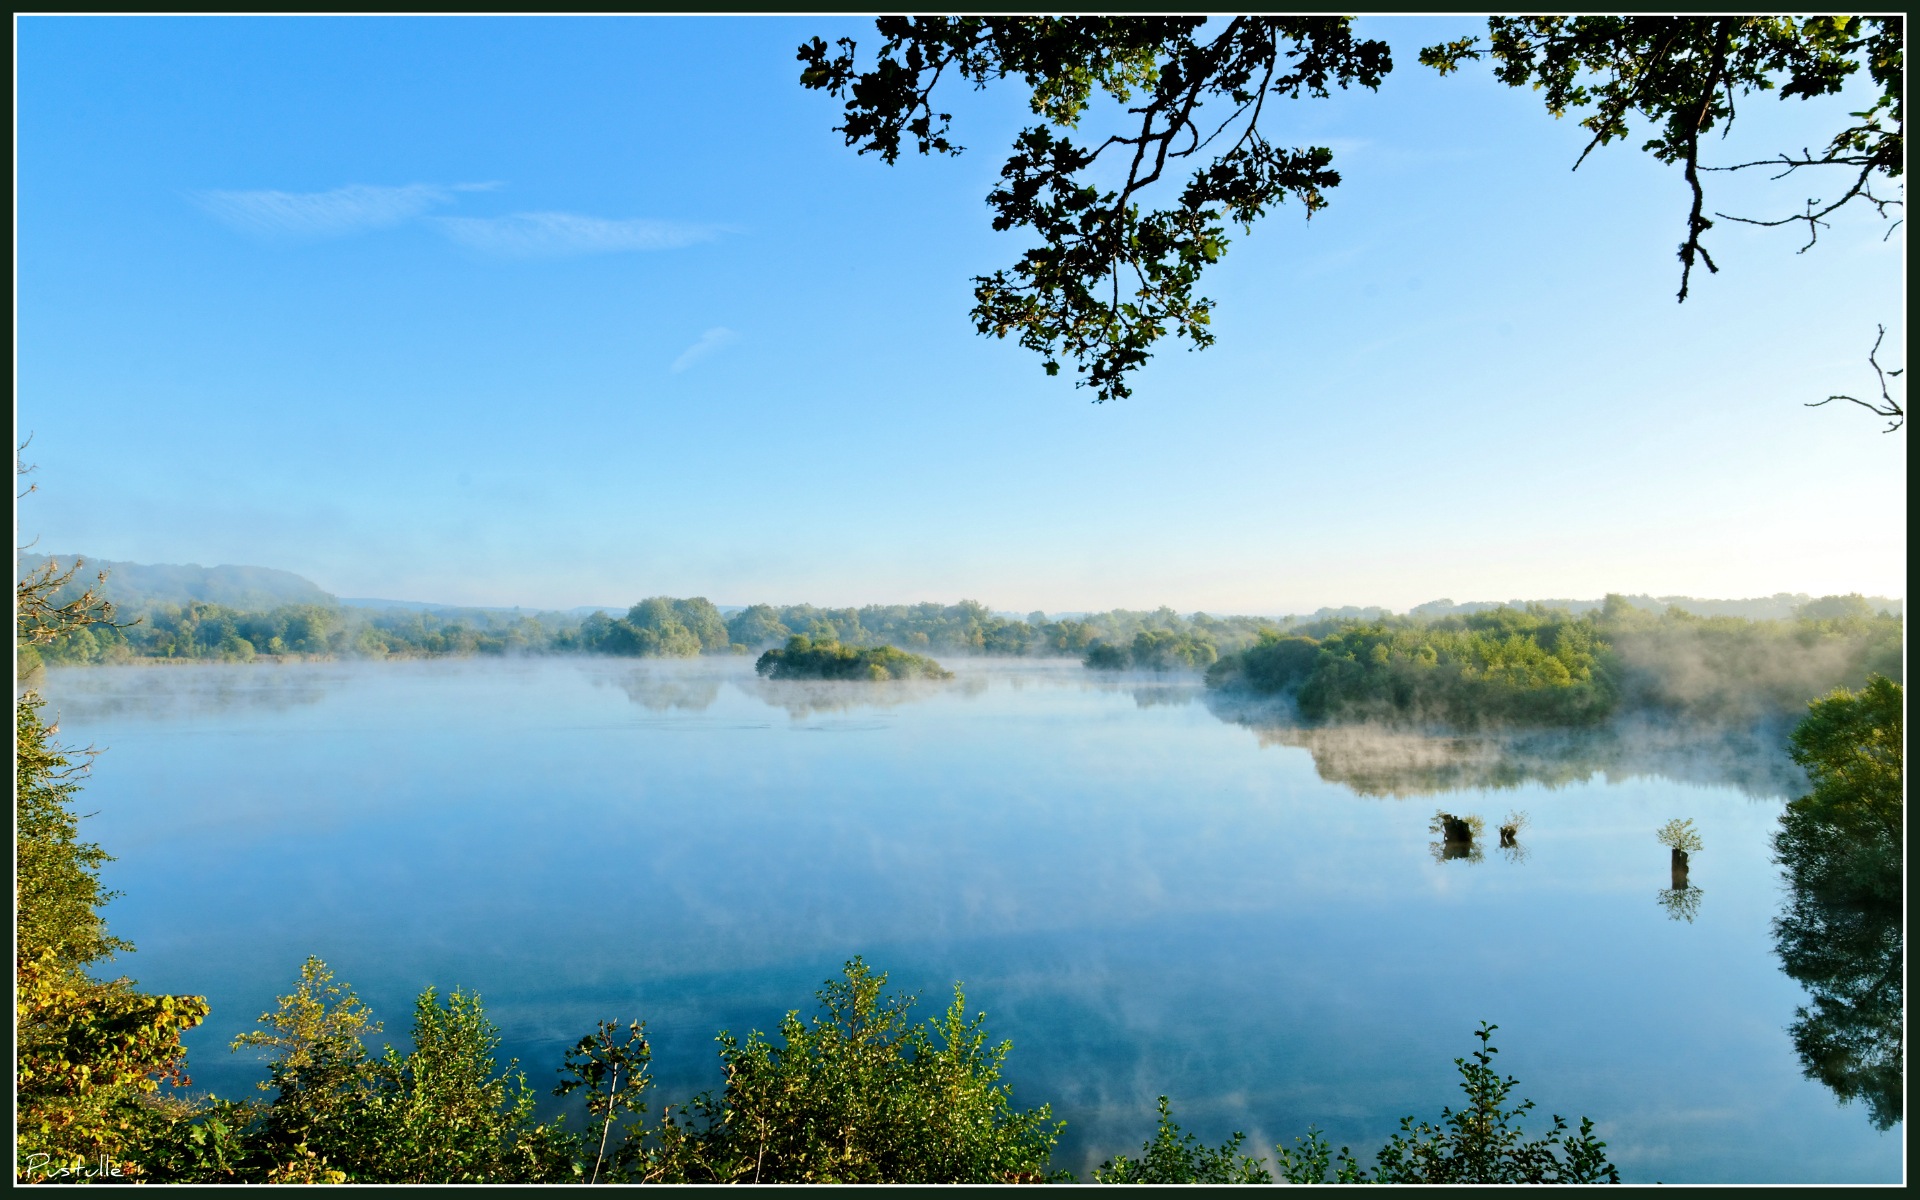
[89, 1058]
[1155, 650]
[207, 632]
[1541, 666]
[1848, 832]
[1684, 75]
[1484, 668]
[1483, 1143]
[859, 1094]
[612, 1071]
[57, 892]
[1172, 1157]
[441, 1113]
[1107, 278]
[1842, 931]
[319, 1072]
[803, 658]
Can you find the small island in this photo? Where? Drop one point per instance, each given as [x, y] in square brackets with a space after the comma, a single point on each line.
[804, 658]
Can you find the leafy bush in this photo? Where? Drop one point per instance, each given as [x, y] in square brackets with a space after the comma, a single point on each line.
[442, 1113]
[857, 1094]
[1172, 1157]
[1481, 1143]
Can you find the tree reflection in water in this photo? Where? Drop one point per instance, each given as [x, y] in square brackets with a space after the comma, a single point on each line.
[1681, 903]
[1841, 934]
[1843, 942]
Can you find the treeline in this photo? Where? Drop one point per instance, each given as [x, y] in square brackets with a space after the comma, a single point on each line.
[1503, 666]
[861, 1093]
[1549, 667]
[204, 631]
[660, 626]
[970, 628]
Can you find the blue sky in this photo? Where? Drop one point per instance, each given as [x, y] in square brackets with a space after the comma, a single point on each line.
[554, 312]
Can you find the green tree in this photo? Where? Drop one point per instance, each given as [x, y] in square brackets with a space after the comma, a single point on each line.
[57, 891]
[320, 1073]
[1173, 1157]
[612, 1071]
[1480, 1143]
[1685, 76]
[1107, 277]
[89, 1056]
[1845, 837]
[860, 1094]
[445, 1112]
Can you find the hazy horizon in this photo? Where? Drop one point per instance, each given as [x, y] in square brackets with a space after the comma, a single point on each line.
[735, 602]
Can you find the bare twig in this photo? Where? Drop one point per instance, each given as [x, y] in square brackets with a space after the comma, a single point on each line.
[1888, 407]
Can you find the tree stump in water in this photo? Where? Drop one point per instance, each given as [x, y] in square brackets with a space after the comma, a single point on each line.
[1679, 870]
[1455, 829]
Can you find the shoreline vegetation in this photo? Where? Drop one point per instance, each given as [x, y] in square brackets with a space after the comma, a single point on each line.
[1559, 664]
[861, 1091]
[803, 658]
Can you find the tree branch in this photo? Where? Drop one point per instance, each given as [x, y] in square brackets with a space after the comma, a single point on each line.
[1888, 407]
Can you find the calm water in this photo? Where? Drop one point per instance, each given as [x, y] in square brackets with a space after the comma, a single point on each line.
[1145, 892]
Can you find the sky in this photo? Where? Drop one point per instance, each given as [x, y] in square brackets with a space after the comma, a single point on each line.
[553, 312]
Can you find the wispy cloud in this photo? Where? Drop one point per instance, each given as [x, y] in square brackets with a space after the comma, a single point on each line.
[710, 342]
[551, 234]
[343, 210]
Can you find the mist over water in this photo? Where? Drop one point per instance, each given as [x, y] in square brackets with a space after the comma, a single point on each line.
[1149, 890]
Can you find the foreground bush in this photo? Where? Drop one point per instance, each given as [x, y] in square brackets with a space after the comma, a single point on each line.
[858, 1094]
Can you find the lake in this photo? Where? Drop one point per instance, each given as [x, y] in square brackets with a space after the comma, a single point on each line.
[1146, 889]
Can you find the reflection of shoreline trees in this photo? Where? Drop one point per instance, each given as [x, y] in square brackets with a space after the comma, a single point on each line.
[1376, 760]
[1841, 934]
[665, 693]
[811, 697]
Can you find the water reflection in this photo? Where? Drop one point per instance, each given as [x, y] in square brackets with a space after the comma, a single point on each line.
[167, 691]
[665, 693]
[1459, 837]
[1510, 847]
[1841, 935]
[1154, 695]
[1681, 903]
[807, 698]
[1380, 761]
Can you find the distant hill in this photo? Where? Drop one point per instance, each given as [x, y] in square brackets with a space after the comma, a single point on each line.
[138, 586]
